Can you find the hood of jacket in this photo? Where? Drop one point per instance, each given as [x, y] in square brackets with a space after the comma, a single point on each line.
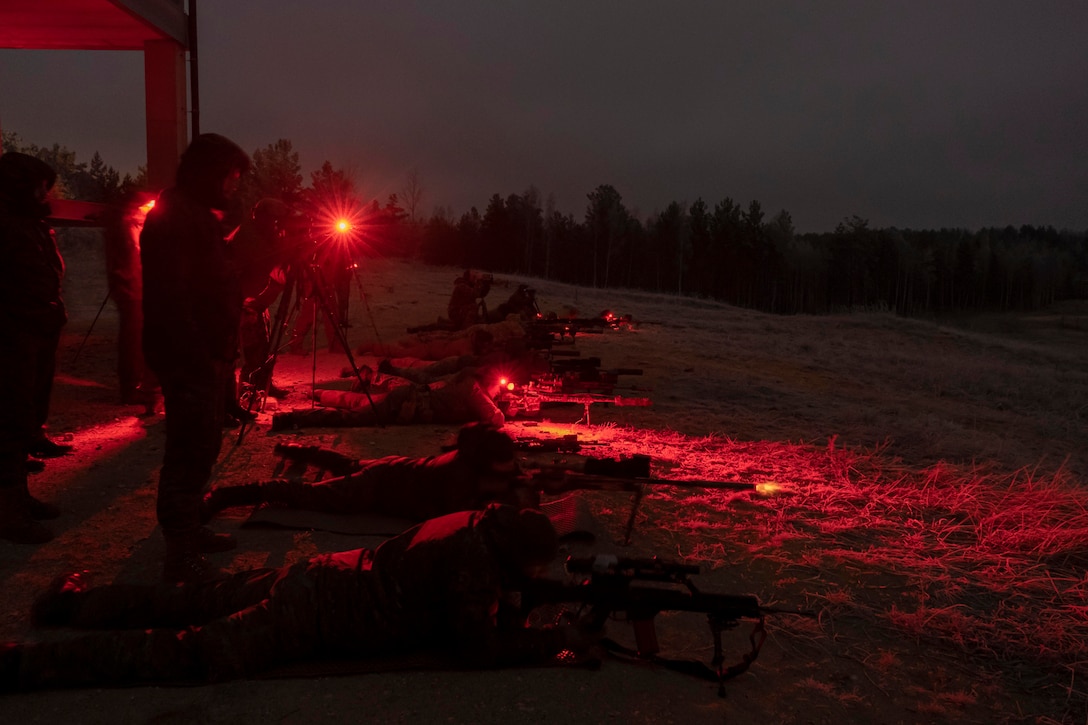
[204, 167]
[20, 177]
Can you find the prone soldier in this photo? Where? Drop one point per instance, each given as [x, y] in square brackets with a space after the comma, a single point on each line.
[439, 585]
[481, 469]
[458, 399]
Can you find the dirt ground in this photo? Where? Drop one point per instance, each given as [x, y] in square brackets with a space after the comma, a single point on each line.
[999, 393]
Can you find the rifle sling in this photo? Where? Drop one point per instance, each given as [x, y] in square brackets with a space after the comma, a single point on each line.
[695, 668]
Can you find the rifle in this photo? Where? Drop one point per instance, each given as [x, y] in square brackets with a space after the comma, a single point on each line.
[626, 474]
[527, 400]
[568, 327]
[563, 444]
[571, 375]
[610, 586]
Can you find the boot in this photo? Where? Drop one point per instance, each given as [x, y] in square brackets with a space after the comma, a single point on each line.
[185, 564]
[149, 399]
[45, 448]
[283, 421]
[225, 497]
[16, 523]
[57, 605]
[207, 541]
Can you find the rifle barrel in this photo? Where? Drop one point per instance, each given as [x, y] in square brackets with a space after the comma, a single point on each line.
[562, 481]
[590, 478]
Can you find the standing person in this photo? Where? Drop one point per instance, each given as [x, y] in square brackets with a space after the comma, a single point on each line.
[124, 276]
[32, 314]
[262, 257]
[191, 316]
[464, 308]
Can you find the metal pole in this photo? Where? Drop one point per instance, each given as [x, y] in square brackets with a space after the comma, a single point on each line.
[194, 74]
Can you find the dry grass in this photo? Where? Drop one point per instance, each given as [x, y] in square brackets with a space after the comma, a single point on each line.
[991, 564]
[944, 507]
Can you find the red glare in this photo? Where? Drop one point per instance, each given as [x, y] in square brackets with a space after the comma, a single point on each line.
[145, 208]
[343, 226]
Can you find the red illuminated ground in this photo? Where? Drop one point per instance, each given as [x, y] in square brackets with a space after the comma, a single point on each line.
[930, 508]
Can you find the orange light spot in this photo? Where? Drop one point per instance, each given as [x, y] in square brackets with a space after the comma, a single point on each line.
[771, 488]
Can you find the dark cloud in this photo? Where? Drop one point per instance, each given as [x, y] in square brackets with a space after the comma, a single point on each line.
[921, 114]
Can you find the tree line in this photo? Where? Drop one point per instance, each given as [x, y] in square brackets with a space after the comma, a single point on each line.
[729, 252]
[94, 181]
[734, 253]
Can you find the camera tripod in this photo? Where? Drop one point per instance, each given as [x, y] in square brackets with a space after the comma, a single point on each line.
[302, 275]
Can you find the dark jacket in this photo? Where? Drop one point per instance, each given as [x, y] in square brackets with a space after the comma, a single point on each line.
[191, 309]
[447, 579]
[31, 268]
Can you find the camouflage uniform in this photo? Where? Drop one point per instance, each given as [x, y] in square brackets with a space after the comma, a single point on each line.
[409, 488]
[439, 585]
[458, 399]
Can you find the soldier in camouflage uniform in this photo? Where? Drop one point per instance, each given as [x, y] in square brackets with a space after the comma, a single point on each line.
[439, 585]
[460, 398]
[480, 470]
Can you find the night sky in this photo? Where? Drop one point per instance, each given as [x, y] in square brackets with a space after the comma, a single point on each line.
[910, 114]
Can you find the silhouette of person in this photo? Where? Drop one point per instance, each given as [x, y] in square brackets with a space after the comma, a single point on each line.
[32, 314]
[191, 308]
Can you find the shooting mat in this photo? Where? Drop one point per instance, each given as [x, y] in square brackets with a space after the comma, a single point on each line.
[570, 515]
